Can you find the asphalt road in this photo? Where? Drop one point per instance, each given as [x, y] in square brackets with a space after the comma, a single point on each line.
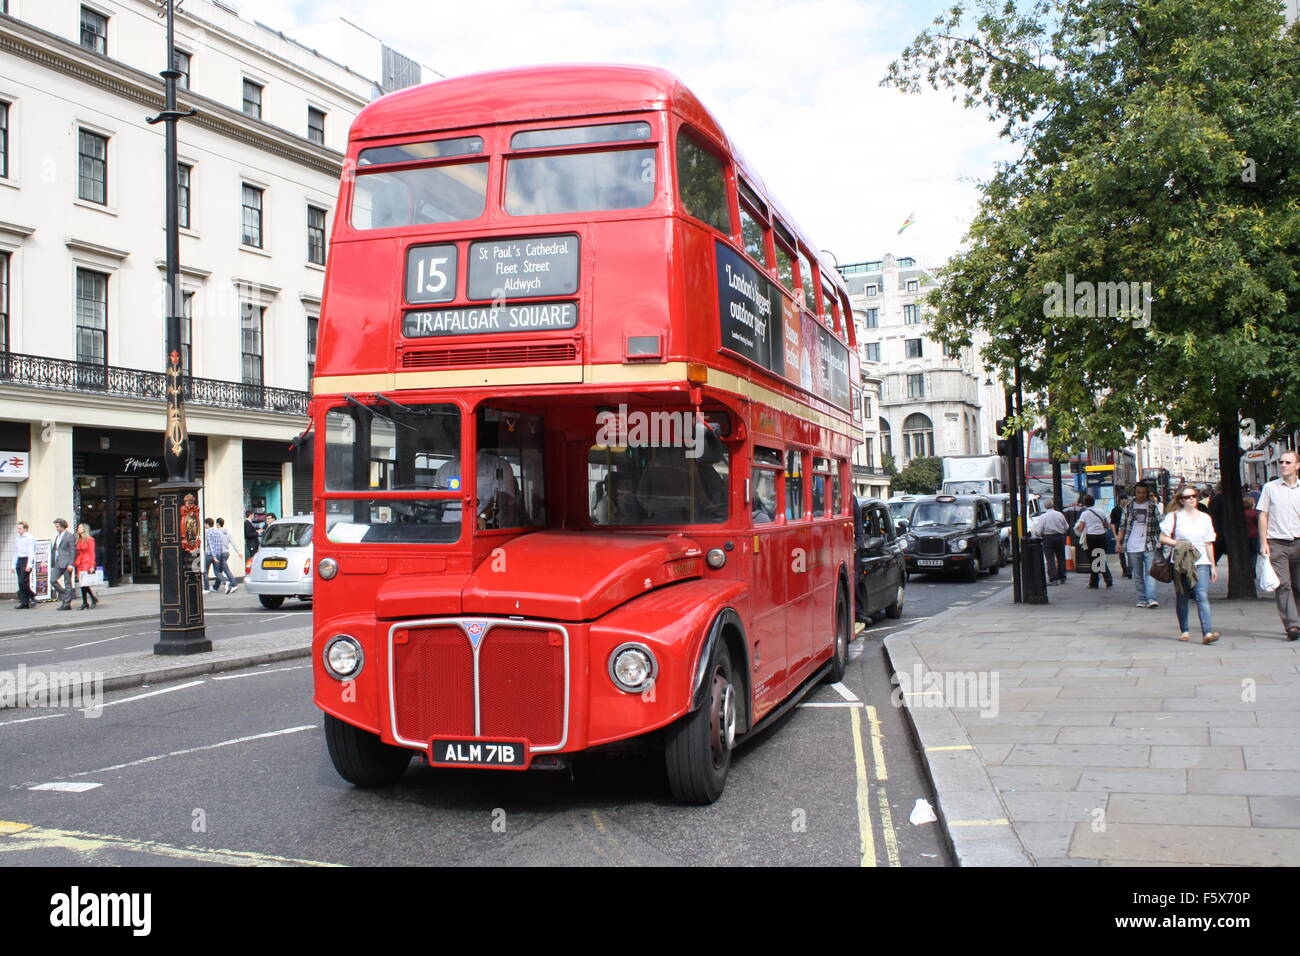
[232, 769]
[86, 639]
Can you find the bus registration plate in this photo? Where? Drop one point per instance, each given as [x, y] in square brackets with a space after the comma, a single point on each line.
[466, 752]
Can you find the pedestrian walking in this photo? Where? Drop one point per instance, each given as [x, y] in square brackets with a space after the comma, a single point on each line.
[1190, 532]
[1138, 538]
[251, 540]
[63, 561]
[227, 548]
[1116, 516]
[216, 538]
[1091, 529]
[1279, 538]
[1251, 514]
[209, 556]
[85, 564]
[24, 561]
[1054, 530]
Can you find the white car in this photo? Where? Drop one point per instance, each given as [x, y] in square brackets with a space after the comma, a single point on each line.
[282, 566]
[1034, 514]
[900, 507]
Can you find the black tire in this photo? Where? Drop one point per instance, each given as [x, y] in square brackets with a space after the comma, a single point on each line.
[996, 565]
[895, 610]
[697, 748]
[361, 758]
[843, 634]
[271, 601]
[972, 571]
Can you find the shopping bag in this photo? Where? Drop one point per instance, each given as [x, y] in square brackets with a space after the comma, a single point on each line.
[91, 579]
[1265, 576]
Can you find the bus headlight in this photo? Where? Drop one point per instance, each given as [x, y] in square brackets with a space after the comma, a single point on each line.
[343, 657]
[632, 668]
[328, 567]
[716, 558]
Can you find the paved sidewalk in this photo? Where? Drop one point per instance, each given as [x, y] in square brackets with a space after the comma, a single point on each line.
[1083, 733]
[130, 602]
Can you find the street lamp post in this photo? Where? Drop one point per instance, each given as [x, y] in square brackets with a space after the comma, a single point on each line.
[181, 626]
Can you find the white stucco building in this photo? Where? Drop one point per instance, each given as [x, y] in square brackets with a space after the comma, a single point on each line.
[931, 402]
[82, 246]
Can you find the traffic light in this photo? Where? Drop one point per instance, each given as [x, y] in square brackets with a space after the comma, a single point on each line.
[1006, 446]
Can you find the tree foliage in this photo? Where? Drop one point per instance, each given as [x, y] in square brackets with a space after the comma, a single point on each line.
[1159, 145]
[921, 477]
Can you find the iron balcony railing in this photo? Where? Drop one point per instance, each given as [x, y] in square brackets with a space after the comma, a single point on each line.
[39, 371]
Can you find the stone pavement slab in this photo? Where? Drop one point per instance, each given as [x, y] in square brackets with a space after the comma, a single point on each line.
[1107, 740]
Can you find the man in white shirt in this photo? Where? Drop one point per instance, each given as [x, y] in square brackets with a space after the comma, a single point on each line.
[24, 560]
[1053, 528]
[1091, 530]
[497, 490]
[1279, 538]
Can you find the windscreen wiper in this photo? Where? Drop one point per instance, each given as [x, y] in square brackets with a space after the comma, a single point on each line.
[353, 400]
[423, 412]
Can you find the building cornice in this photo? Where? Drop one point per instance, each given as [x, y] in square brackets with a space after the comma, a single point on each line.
[192, 272]
[95, 248]
[14, 229]
[53, 52]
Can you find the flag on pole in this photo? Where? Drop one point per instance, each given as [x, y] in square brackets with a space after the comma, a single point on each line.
[910, 219]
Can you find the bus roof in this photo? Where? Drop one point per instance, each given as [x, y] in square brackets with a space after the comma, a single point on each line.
[551, 92]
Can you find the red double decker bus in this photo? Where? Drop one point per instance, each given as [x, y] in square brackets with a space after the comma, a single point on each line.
[568, 277]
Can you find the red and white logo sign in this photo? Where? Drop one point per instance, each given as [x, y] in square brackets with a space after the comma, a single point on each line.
[14, 465]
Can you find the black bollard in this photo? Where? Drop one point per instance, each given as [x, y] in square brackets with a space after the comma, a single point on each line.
[1033, 572]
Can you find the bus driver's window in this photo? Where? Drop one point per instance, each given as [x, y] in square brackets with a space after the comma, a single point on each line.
[767, 465]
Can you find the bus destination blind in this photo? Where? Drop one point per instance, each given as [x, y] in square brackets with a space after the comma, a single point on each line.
[538, 317]
[522, 268]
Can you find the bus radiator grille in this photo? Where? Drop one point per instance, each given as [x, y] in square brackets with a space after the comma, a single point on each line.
[547, 353]
[521, 685]
[434, 691]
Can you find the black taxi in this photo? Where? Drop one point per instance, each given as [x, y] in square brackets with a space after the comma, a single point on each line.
[881, 575]
[952, 534]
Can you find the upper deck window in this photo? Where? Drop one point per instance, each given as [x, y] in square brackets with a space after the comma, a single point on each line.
[580, 135]
[416, 152]
[785, 256]
[580, 182]
[411, 197]
[702, 183]
[807, 276]
[753, 223]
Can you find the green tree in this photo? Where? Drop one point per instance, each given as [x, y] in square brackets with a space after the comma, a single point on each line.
[887, 463]
[1159, 144]
[921, 477]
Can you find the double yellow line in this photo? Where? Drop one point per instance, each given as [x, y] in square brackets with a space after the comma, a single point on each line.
[881, 774]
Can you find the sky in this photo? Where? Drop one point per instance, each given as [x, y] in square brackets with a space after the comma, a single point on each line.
[795, 83]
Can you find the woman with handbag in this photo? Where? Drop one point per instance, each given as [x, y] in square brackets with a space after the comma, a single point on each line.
[85, 564]
[1190, 532]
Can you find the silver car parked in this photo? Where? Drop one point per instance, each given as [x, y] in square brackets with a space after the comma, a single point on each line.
[282, 566]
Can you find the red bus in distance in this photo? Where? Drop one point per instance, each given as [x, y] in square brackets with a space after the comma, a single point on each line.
[568, 276]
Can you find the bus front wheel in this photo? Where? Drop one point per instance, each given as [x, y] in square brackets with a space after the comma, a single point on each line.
[361, 758]
[697, 749]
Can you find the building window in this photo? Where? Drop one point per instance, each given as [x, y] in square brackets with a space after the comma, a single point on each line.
[4, 302]
[94, 31]
[92, 317]
[873, 319]
[252, 99]
[911, 314]
[316, 235]
[252, 231]
[92, 167]
[886, 441]
[916, 386]
[951, 351]
[4, 140]
[251, 318]
[187, 335]
[869, 453]
[313, 326]
[183, 173]
[316, 125]
[873, 351]
[912, 347]
[873, 289]
[918, 436]
[181, 64]
[913, 285]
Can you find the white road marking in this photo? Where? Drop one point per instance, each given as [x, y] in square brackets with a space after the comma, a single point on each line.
[193, 750]
[274, 670]
[844, 691]
[73, 647]
[25, 720]
[154, 693]
[66, 787]
[48, 650]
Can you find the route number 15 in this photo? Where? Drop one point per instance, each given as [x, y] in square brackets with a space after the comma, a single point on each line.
[431, 273]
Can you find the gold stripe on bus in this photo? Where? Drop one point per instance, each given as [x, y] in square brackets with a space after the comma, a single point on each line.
[603, 374]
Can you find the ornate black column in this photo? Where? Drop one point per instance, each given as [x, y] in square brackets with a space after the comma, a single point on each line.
[181, 628]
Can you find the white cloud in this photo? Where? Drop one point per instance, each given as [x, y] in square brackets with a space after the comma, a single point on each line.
[795, 83]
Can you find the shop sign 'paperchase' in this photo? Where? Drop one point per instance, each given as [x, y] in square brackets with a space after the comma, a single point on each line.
[519, 268]
[541, 317]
